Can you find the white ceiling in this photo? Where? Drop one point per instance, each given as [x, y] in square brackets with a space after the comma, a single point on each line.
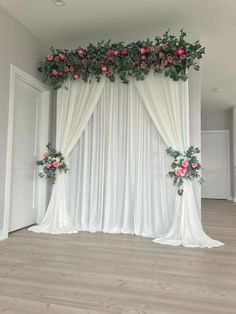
[78, 22]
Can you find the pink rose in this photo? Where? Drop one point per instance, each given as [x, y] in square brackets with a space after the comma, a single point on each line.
[110, 69]
[111, 58]
[124, 51]
[184, 163]
[164, 62]
[54, 72]
[50, 57]
[66, 68]
[104, 68]
[81, 52]
[72, 68]
[194, 165]
[110, 52]
[60, 73]
[184, 170]
[154, 58]
[142, 50]
[55, 163]
[178, 172]
[143, 57]
[161, 55]
[62, 56]
[157, 49]
[164, 47]
[45, 154]
[179, 51]
[116, 52]
[48, 165]
[84, 61]
[170, 59]
[76, 76]
[149, 49]
[182, 57]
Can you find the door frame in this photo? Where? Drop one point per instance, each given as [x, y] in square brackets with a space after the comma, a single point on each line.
[44, 121]
[229, 197]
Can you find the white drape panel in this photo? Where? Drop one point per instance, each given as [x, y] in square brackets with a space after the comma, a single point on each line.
[117, 180]
[76, 102]
[167, 102]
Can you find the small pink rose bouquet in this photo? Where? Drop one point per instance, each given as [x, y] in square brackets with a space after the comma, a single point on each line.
[185, 166]
[53, 163]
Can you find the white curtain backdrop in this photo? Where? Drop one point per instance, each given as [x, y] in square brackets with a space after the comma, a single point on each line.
[167, 102]
[117, 181]
[76, 102]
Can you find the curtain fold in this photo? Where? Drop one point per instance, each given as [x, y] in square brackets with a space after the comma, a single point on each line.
[76, 101]
[118, 181]
[167, 102]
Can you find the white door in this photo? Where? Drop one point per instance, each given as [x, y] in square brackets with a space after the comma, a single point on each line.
[28, 132]
[215, 162]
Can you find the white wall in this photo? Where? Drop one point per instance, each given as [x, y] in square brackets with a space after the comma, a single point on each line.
[195, 122]
[137, 32]
[217, 119]
[21, 48]
[222, 120]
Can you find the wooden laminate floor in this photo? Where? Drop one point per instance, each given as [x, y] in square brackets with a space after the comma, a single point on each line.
[104, 273]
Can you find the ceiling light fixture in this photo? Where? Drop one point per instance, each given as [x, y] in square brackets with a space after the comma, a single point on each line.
[59, 3]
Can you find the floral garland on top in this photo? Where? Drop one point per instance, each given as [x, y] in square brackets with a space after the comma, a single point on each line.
[53, 162]
[185, 166]
[168, 54]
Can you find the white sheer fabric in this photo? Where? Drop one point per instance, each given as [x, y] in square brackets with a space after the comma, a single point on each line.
[76, 102]
[167, 102]
[117, 181]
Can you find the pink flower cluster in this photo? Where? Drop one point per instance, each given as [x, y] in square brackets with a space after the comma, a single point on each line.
[54, 164]
[184, 170]
[146, 53]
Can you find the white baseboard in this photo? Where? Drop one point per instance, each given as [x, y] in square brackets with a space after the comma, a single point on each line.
[234, 199]
[2, 235]
[230, 198]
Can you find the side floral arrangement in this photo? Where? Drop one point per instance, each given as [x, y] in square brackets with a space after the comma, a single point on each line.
[185, 166]
[53, 163]
[169, 54]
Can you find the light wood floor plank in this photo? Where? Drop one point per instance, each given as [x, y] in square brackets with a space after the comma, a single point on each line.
[107, 273]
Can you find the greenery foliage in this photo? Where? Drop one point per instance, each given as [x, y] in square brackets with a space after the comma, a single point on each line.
[53, 163]
[185, 166]
[168, 54]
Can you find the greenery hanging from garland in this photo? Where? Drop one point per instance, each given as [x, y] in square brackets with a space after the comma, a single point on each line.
[168, 54]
